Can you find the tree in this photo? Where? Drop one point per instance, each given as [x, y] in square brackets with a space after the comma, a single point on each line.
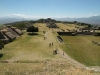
[32, 29]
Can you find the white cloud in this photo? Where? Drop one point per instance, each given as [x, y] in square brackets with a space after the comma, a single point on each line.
[32, 17]
[91, 14]
[96, 15]
[20, 15]
[56, 16]
[24, 16]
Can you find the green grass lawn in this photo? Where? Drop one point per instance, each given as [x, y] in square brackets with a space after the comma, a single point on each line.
[21, 44]
[82, 49]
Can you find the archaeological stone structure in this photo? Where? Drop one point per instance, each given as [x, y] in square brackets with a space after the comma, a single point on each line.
[51, 25]
[9, 34]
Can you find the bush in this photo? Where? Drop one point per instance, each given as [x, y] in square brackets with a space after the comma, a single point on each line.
[1, 55]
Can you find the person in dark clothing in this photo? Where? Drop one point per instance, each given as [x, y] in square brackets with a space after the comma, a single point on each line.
[52, 43]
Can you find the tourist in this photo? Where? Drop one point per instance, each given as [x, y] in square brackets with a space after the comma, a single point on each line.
[52, 43]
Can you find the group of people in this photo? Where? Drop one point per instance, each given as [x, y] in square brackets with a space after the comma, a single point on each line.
[55, 51]
[51, 44]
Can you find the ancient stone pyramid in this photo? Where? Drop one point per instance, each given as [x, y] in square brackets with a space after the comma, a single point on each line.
[9, 33]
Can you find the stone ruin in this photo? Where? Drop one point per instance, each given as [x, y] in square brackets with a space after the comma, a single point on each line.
[9, 34]
[76, 33]
[96, 27]
[3, 38]
[59, 39]
[95, 42]
[51, 25]
[28, 25]
[81, 31]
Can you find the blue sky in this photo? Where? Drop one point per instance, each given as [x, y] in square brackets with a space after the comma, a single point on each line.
[49, 8]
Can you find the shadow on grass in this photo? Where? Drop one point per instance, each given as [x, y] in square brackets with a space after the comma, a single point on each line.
[31, 34]
[1, 55]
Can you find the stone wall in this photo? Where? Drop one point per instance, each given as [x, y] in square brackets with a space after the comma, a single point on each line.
[66, 33]
[79, 33]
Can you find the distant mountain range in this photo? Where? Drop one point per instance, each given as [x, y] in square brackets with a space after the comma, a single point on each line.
[90, 20]
[5, 20]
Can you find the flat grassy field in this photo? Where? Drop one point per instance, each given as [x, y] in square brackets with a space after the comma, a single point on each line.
[32, 55]
[31, 47]
[66, 26]
[82, 49]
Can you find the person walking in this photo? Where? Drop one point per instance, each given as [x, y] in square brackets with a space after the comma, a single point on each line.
[52, 43]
